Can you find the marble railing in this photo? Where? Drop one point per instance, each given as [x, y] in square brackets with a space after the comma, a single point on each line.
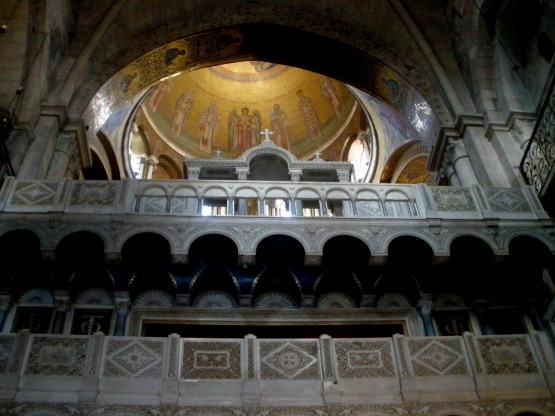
[187, 198]
[315, 212]
[252, 371]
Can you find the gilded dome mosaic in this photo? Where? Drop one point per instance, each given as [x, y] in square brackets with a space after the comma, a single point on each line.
[225, 108]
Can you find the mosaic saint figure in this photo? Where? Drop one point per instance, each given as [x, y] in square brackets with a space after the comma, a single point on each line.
[126, 81]
[209, 120]
[280, 126]
[243, 129]
[308, 113]
[331, 93]
[172, 54]
[157, 95]
[182, 109]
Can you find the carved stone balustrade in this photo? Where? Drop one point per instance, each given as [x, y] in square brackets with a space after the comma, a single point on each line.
[269, 372]
[374, 213]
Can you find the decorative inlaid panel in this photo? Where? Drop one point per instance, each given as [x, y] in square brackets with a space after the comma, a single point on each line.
[292, 360]
[452, 199]
[504, 355]
[60, 356]
[369, 208]
[34, 193]
[507, 200]
[6, 344]
[153, 205]
[364, 359]
[211, 360]
[134, 358]
[437, 357]
[103, 194]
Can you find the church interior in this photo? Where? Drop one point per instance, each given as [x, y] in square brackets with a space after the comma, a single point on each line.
[306, 207]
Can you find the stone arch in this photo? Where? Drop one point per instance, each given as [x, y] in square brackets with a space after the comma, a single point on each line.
[146, 248]
[258, 40]
[213, 250]
[471, 270]
[115, 170]
[279, 250]
[81, 248]
[97, 170]
[23, 267]
[408, 266]
[266, 233]
[168, 165]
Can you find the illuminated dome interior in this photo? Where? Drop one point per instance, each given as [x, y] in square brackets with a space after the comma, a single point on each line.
[223, 110]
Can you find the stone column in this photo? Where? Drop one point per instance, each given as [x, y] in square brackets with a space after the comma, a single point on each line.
[461, 163]
[17, 144]
[295, 174]
[424, 309]
[122, 310]
[150, 165]
[449, 172]
[481, 310]
[193, 173]
[5, 305]
[65, 147]
[61, 306]
[39, 154]
[242, 173]
[343, 175]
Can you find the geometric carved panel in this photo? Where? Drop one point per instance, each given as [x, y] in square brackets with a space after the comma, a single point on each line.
[506, 200]
[61, 356]
[437, 357]
[154, 205]
[289, 360]
[134, 358]
[211, 360]
[507, 355]
[364, 359]
[34, 193]
[369, 208]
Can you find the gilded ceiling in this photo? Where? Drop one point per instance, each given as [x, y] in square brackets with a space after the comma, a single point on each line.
[224, 108]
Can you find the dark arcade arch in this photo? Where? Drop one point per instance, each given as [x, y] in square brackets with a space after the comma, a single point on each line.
[408, 269]
[526, 261]
[346, 251]
[23, 267]
[471, 268]
[147, 257]
[213, 251]
[18, 247]
[80, 248]
[268, 168]
[146, 249]
[279, 251]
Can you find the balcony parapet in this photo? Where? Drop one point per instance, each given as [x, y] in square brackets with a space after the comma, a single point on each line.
[132, 196]
[255, 371]
[364, 210]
